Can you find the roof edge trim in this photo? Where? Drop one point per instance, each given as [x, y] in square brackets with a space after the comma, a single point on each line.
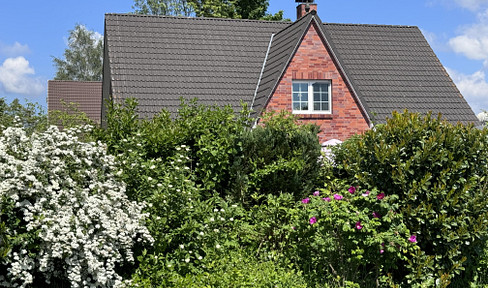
[290, 58]
[262, 71]
[337, 59]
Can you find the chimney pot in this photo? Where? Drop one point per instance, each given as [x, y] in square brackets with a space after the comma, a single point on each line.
[305, 7]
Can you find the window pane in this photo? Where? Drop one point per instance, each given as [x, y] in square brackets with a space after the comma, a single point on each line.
[295, 87]
[304, 86]
[316, 97]
[320, 87]
[304, 97]
[324, 96]
[321, 96]
[296, 106]
[295, 97]
[304, 106]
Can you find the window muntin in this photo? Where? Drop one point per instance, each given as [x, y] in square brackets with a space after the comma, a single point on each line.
[311, 97]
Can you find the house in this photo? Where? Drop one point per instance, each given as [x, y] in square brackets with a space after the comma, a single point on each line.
[85, 96]
[343, 77]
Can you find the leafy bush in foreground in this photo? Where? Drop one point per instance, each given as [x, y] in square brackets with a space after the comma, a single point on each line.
[68, 219]
[227, 156]
[438, 173]
[351, 235]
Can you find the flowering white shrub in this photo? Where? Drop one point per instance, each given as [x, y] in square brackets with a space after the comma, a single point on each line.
[67, 213]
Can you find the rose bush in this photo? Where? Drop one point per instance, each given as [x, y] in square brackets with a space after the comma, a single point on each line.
[350, 236]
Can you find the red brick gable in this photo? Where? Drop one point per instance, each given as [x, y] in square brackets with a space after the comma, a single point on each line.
[312, 61]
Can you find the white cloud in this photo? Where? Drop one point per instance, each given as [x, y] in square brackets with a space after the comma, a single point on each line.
[17, 76]
[473, 42]
[474, 88]
[14, 50]
[472, 5]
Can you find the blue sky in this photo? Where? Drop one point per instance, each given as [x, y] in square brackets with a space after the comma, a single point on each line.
[33, 31]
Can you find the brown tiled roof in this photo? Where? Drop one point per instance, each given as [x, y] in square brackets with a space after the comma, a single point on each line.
[86, 96]
[158, 59]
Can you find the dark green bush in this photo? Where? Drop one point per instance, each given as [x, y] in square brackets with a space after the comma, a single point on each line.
[278, 156]
[438, 172]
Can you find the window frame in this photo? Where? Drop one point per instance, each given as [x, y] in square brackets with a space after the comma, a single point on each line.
[310, 97]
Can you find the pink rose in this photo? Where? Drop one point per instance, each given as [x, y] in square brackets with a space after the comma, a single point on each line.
[413, 239]
[358, 225]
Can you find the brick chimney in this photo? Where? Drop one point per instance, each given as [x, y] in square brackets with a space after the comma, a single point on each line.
[305, 7]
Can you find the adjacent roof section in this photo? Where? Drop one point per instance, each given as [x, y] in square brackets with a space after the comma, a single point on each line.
[394, 68]
[158, 60]
[86, 96]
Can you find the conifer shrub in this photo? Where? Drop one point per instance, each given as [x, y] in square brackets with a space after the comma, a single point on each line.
[438, 172]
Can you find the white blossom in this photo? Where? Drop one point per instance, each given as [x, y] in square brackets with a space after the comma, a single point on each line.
[67, 190]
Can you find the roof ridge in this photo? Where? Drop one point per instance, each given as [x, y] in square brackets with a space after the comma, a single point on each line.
[77, 81]
[197, 18]
[372, 25]
[292, 24]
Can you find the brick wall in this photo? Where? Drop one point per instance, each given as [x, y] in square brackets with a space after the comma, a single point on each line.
[313, 62]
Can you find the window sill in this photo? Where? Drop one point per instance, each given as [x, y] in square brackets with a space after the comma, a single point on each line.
[314, 116]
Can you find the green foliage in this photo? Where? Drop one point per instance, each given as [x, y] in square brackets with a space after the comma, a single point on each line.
[210, 132]
[70, 117]
[236, 9]
[438, 172]
[229, 269]
[225, 201]
[277, 156]
[242, 9]
[163, 7]
[213, 134]
[350, 235]
[226, 156]
[30, 116]
[4, 243]
[83, 58]
[183, 169]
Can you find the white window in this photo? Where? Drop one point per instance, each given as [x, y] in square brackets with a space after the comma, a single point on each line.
[312, 97]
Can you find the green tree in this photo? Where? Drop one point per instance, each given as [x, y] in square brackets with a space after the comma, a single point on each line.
[83, 58]
[241, 9]
[163, 7]
[238, 9]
